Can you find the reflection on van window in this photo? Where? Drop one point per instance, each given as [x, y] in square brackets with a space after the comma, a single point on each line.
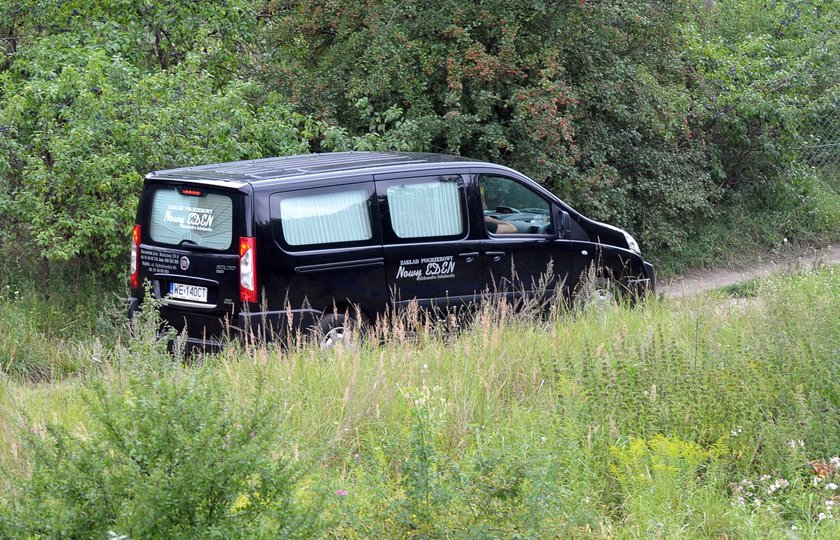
[327, 218]
[512, 208]
[426, 209]
[205, 221]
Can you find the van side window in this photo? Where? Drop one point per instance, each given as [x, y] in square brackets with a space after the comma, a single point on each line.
[513, 208]
[426, 209]
[309, 218]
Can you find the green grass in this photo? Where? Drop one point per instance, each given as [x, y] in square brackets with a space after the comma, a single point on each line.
[57, 326]
[746, 289]
[646, 422]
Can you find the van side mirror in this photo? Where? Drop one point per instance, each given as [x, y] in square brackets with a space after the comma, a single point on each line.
[564, 223]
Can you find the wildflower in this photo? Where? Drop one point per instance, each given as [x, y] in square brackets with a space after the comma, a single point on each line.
[816, 481]
[821, 469]
[341, 493]
[757, 501]
[835, 461]
[821, 516]
[764, 477]
[829, 503]
[793, 527]
[831, 485]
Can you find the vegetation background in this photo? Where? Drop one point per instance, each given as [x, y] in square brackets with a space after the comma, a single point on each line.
[707, 128]
[685, 122]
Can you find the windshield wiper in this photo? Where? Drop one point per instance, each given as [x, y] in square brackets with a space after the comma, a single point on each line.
[192, 244]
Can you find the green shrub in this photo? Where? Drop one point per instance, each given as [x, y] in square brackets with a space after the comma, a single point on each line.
[164, 457]
[82, 128]
[590, 100]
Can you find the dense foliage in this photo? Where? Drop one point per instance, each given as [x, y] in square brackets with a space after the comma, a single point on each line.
[163, 459]
[589, 99]
[658, 117]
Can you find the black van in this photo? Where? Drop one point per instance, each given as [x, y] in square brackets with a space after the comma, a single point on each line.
[279, 244]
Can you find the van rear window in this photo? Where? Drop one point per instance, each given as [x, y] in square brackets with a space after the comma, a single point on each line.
[184, 217]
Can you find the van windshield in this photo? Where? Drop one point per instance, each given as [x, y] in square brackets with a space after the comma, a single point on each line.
[191, 217]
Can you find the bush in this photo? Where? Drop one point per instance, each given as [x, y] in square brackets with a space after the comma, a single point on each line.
[163, 457]
[81, 127]
[591, 101]
[763, 69]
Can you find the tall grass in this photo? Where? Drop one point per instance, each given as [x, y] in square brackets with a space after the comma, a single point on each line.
[678, 419]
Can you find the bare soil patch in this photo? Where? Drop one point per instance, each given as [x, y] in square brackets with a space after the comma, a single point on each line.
[705, 280]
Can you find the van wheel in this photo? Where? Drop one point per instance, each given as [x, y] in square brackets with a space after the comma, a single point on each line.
[597, 294]
[337, 330]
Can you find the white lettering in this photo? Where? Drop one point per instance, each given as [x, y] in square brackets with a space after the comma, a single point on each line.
[196, 219]
[173, 219]
[403, 273]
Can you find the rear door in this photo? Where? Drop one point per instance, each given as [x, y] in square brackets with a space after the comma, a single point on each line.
[431, 254]
[189, 252]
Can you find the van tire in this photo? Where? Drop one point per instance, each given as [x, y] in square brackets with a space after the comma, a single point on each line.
[596, 294]
[336, 330]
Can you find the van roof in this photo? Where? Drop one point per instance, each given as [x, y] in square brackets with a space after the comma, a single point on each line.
[263, 170]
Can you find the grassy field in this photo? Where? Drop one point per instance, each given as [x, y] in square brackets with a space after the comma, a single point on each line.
[711, 417]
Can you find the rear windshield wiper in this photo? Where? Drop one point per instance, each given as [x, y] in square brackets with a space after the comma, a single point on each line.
[186, 242]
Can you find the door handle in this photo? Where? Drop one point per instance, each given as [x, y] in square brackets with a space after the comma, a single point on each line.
[470, 255]
[496, 256]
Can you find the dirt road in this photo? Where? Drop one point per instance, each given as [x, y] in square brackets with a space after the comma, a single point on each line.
[700, 281]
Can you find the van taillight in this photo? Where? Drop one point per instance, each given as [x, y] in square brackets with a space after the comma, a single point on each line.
[247, 269]
[134, 268]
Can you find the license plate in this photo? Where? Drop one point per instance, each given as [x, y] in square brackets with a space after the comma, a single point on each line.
[181, 291]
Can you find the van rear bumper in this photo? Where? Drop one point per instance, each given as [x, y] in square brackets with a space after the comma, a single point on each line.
[263, 326]
[260, 327]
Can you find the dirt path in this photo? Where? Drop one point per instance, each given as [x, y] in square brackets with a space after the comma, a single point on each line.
[700, 281]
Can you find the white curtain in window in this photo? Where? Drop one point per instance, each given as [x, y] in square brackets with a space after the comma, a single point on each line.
[326, 219]
[426, 209]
